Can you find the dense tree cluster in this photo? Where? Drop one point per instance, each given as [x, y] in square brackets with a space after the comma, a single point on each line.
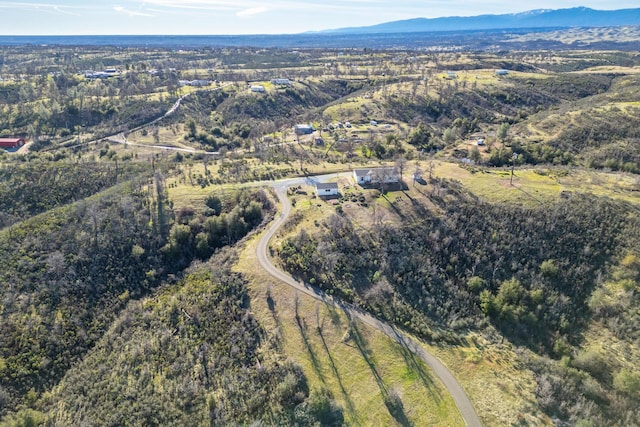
[226, 221]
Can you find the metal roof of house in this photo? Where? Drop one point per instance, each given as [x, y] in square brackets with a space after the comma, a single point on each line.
[326, 185]
[365, 172]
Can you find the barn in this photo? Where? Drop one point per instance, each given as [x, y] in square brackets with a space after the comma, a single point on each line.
[11, 143]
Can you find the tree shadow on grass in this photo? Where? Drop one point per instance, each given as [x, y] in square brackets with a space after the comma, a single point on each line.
[416, 365]
[393, 206]
[391, 398]
[302, 327]
[333, 314]
[345, 395]
[271, 304]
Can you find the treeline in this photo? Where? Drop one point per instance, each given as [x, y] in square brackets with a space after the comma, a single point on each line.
[531, 272]
[462, 100]
[192, 355]
[570, 87]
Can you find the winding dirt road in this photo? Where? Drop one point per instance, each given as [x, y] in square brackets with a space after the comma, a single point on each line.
[262, 251]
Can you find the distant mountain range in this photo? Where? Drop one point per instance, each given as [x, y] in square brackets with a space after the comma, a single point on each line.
[477, 33]
[541, 18]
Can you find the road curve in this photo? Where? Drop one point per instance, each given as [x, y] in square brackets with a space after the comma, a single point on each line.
[121, 139]
[451, 384]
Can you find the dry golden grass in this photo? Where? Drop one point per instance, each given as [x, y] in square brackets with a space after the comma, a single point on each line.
[496, 380]
[538, 185]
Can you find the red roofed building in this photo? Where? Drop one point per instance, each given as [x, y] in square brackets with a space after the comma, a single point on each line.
[10, 143]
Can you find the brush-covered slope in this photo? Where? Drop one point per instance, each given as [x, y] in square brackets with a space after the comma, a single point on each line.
[192, 355]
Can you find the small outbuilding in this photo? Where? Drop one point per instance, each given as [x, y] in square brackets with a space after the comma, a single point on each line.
[285, 82]
[326, 189]
[258, 89]
[502, 72]
[303, 129]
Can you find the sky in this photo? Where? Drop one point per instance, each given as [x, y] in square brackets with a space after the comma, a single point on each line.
[217, 17]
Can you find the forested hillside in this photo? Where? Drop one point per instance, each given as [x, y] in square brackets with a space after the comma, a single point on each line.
[192, 355]
[24, 186]
[218, 120]
[69, 271]
[529, 271]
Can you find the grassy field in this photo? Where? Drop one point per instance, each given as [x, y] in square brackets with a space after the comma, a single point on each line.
[533, 186]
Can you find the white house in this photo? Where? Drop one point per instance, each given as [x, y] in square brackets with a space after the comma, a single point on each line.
[376, 176]
[257, 88]
[199, 83]
[502, 72]
[285, 82]
[326, 189]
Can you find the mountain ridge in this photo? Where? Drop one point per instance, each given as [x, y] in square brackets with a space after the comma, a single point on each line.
[538, 18]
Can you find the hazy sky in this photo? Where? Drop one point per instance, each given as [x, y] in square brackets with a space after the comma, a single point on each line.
[245, 16]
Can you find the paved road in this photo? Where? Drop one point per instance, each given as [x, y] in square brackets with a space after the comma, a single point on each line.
[120, 138]
[452, 385]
